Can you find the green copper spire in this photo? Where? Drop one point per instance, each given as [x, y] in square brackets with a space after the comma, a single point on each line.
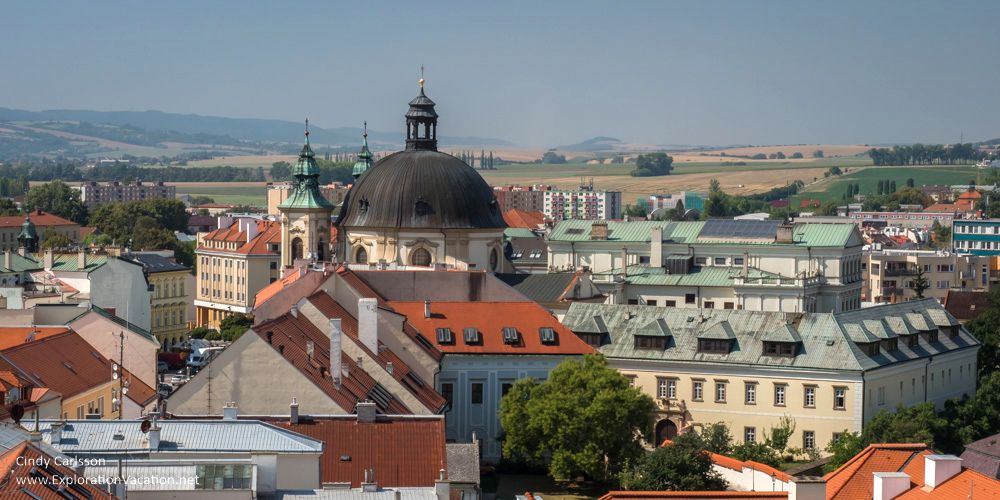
[364, 156]
[305, 190]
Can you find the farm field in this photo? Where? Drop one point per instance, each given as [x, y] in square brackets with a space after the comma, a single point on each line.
[833, 189]
[235, 193]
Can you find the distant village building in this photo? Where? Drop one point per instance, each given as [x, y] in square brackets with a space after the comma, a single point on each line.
[34, 225]
[976, 236]
[582, 204]
[93, 194]
[524, 198]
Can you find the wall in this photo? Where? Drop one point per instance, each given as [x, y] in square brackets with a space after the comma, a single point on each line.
[170, 297]
[937, 379]
[458, 248]
[101, 334]
[122, 285]
[99, 397]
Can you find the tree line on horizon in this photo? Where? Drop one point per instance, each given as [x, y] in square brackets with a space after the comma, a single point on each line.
[926, 154]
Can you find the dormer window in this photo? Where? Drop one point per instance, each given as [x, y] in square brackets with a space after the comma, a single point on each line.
[648, 342]
[931, 335]
[547, 335]
[869, 348]
[471, 336]
[786, 349]
[510, 336]
[714, 346]
[445, 336]
[889, 345]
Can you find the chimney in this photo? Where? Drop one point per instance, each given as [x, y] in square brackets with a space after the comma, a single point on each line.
[154, 436]
[442, 487]
[784, 234]
[81, 259]
[35, 436]
[368, 323]
[806, 488]
[366, 411]
[427, 309]
[293, 412]
[336, 360]
[940, 468]
[889, 485]
[368, 485]
[310, 349]
[230, 411]
[294, 310]
[656, 247]
[8, 260]
[599, 230]
[55, 433]
[251, 229]
[49, 258]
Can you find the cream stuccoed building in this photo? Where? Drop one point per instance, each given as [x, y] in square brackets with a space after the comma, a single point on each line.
[420, 207]
[830, 372]
[756, 265]
[305, 213]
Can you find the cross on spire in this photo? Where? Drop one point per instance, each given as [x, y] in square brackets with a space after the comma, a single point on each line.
[365, 133]
[307, 127]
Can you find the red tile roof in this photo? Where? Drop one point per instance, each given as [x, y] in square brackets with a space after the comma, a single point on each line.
[268, 232]
[20, 477]
[966, 305]
[854, 479]
[693, 495]
[290, 335]
[404, 451]
[38, 218]
[272, 289]
[966, 484]
[400, 370]
[523, 218]
[16, 335]
[490, 318]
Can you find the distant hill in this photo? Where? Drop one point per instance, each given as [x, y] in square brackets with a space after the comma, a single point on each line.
[600, 143]
[251, 129]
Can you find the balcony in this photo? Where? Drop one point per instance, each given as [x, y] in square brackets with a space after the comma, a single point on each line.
[899, 271]
[780, 281]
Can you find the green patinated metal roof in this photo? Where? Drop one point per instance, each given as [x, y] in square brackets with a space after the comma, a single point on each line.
[518, 232]
[827, 339]
[699, 276]
[19, 264]
[27, 230]
[364, 156]
[655, 328]
[71, 262]
[305, 191]
[804, 234]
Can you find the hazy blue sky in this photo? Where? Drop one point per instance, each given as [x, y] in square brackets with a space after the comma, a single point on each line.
[536, 73]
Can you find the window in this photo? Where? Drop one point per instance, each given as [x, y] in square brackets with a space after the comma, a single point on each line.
[448, 391]
[224, 477]
[670, 303]
[713, 346]
[709, 304]
[650, 342]
[751, 393]
[808, 440]
[720, 261]
[689, 298]
[547, 335]
[361, 256]
[505, 388]
[840, 398]
[881, 393]
[510, 335]
[697, 390]
[700, 261]
[737, 261]
[779, 394]
[810, 397]
[727, 305]
[445, 336]
[720, 392]
[749, 434]
[779, 348]
[420, 257]
[672, 388]
[661, 388]
[477, 393]
[650, 302]
[633, 302]
[471, 335]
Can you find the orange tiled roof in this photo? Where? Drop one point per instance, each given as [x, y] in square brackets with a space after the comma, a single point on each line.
[490, 318]
[11, 336]
[693, 495]
[523, 218]
[273, 288]
[63, 362]
[38, 218]
[966, 484]
[971, 195]
[854, 479]
[268, 232]
[21, 478]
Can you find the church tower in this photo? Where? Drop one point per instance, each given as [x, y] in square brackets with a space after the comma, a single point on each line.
[364, 156]
[305, 214]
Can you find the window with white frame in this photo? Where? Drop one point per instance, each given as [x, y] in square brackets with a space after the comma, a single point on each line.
[808, 440]
[697, 390]
[749, 434]
[779, 394]
[810, 396]
[750, 393]
[720, 392]
[839, 398]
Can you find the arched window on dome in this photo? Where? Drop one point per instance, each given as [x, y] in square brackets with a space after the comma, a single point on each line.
[296, 249]
[361, 255]
[420, 257]
[494, 260]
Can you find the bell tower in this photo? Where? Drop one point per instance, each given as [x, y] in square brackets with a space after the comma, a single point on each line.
[421, 122]
[305, 214]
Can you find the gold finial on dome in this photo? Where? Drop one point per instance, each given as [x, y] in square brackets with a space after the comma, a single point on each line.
[421, 76]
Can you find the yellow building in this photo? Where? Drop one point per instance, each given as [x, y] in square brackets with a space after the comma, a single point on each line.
[830, 372]
[890, 274]
[234, 262]
[170, 297]
[41, 222]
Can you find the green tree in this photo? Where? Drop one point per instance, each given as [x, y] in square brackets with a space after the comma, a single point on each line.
[777, 437]
[758, 452]
[57, 198]
[911, 424]
[232, 326]
[53, 239]
[843, 449]
[97, 240]
[714, 186]
[796, 155]
[653, 164]
[909, 182]
[149, 235]
[835, 171]
[682, 465]
[586, 418]
[716, 439]
[920, 283]
[8, 208]
[281, 170]
[986, 328]
[552, 158]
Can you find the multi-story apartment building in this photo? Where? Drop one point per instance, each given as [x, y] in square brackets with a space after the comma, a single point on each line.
[170, 297]
[278, 192]
[830, 372]
[688, 199]
[525, 198]
[716, 264]
[889, 274]
[976, 236]
[95, 193]
[234, 263]
[582, 204]
[909, 220]
[40, 223]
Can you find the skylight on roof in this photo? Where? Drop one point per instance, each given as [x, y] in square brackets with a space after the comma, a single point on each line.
[472, 336]
[510, 335]
[445, 336]
[547, 335]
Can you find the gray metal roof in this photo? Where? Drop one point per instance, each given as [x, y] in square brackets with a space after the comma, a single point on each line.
[463, 462]
[222, 436]
[154, 263]
[541, 288]
[827, 339]
[427, 493]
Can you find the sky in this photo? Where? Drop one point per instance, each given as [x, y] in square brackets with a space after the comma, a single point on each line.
[539, 74]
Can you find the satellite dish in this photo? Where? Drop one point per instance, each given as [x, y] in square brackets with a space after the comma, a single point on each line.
[144, 426]
[17, 413]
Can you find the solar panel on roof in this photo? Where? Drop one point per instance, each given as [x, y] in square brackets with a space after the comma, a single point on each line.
[727, 228]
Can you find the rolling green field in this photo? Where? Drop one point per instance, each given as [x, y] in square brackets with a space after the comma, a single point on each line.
[868, 178]
[238, 194]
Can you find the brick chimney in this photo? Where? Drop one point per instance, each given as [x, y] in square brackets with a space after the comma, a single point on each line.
[427, 309]
[599, 230]
[368, 323]
[785, 233]
[366, 411]
[336, 361]
[656, 247]
[940, 468]
[889, 485]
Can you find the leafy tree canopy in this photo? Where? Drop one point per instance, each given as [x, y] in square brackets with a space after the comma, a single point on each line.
[653, 164]
[682, 465]
[57, 198]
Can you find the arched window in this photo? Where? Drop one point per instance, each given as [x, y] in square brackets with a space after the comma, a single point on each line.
[494, 260]
[420, 257]
[296, 248]
[361, 255]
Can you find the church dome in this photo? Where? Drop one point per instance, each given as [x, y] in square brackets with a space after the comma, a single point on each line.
[421, 187]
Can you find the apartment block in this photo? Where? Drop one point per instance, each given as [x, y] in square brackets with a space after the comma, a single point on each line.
[93, 194]
[890, 274]
[583, 204]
